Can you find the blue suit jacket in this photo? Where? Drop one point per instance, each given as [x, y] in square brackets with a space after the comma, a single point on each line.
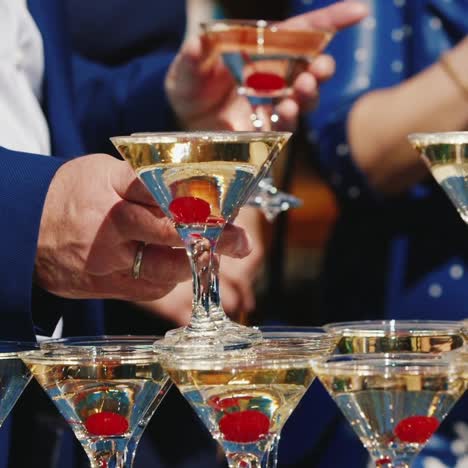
[113, 99]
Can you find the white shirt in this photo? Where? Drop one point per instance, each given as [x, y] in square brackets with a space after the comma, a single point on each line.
[23, 126]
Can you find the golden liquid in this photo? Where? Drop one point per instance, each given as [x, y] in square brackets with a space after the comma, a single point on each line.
[220, 169]
[269, 40]
[376, 402]
[446, 156]
[273, 391]
[256, 151]
[264, 61]
[81, 389]
[399, 343]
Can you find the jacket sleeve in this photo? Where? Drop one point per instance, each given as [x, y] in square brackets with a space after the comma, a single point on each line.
[119, 81]
[121, 99]
[366, 59]
[24, 181]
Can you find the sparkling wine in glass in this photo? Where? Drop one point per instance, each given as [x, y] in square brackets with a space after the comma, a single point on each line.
[264, 59]
[394, 402]
[395, 336]
[200, 180]
[446, 156]
[244, 397]
[107, 389]
[14, 375]
[316, 341]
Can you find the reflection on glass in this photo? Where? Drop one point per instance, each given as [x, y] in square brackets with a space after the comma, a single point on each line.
[245, 397]
[264, 58]
[394, 402]
[200, 180]
[106, 388]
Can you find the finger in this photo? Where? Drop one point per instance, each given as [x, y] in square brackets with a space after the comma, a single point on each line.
[334, 17]
[306, 92]
[194, 62]
[138, 222]
[187, 63]
[247, 297]
[230, 299]
[322, 67]
[124, 181]
[120, 285]
[288, 111]
[164, 265]
[144, 223]
[234, 242]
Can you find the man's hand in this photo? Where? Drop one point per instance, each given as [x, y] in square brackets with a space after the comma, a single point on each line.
[95, 215]
[205, 97]
[237, 280]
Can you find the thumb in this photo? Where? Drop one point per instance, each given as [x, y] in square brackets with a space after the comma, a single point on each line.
[126, 184]
[187, 67]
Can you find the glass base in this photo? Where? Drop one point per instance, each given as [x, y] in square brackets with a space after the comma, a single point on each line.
[272, 201]
[228, 336]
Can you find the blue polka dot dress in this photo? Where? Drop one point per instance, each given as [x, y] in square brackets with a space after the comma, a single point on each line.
[404, 257]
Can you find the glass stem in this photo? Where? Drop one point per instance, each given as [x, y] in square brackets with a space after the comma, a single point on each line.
[264, 116]
[200, 251]
[104, 454]
[217, 312]
[242, 460]
[270, 460]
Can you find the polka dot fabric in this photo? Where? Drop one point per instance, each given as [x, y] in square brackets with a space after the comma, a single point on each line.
[404, 257]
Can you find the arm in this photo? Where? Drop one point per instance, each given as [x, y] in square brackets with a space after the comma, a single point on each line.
[25, 179]
[202, 92]
[382, 91]
[380, 121]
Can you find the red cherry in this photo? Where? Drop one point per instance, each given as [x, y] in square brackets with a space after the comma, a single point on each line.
[383, 461]
[244, 426]
[266, 82]
[106, 423]
[189, 210]
[416, 429]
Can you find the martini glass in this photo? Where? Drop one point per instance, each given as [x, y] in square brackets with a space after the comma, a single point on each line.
[316, 341]
[244, 397]
[264, 59]
[384, 336]
[14, 375]
[200, 180]
[394, 402]
[107, 388]
[446, 156]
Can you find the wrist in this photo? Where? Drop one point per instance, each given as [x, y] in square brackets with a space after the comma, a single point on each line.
[454, 65]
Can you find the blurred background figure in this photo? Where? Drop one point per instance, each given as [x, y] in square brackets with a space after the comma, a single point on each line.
[398, 249]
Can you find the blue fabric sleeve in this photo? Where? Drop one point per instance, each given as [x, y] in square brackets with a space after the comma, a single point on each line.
[24, 181]
[393, 43]
[364, 56]
[116, 100]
